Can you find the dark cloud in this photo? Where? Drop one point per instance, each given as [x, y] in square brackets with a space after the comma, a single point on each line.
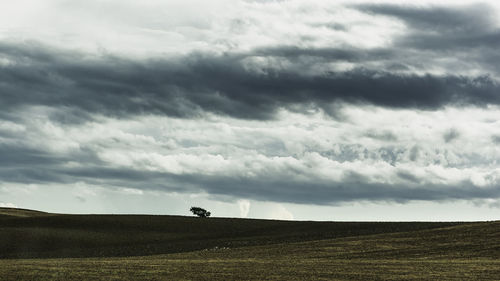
[381, 135]
[188, 86]
[451, 135]
[438, 27]
[335, 26]
[496, 139]
[354, 187]
[409, 177]
[414, 153]
[24, 164]
[16, 156]
[471, 18]
[315, 55]
[70, 115]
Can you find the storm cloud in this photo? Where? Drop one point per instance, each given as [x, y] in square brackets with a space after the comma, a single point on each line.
[221, 84]
[442, 28]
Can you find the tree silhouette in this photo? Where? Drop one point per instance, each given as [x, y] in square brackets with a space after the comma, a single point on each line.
[200, 212]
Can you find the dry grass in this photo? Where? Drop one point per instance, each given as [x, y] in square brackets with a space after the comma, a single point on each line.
[468, 251]
[272, 263]
[15, 212]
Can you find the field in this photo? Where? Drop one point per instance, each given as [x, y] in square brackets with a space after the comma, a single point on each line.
[42, 246]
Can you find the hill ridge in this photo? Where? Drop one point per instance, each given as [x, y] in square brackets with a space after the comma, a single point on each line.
[63, 235]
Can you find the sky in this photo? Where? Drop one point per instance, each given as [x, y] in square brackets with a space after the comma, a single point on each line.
[304, 110]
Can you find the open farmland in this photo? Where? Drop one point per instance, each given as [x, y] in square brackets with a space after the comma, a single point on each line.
[126, 247]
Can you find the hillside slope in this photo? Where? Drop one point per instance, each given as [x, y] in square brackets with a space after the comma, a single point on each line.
[59, 235]
[468, 251]
[17, 212]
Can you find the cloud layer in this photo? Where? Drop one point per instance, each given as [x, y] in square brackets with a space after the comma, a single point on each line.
[370, 154]
[222, 84]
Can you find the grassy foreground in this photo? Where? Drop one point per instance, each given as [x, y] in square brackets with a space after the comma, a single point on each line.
[237, 249]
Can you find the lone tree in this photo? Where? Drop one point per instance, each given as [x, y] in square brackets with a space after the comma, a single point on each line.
[200, 212]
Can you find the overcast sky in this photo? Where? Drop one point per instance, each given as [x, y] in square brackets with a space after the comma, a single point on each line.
[317, 110]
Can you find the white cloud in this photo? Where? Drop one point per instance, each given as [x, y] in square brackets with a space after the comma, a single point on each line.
[11, 127]
[131, 191]
[8, 205]
[279, 212]
[152, 28]
[244, 206]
